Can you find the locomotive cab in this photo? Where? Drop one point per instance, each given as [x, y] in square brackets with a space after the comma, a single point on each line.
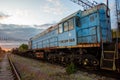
[94, 26]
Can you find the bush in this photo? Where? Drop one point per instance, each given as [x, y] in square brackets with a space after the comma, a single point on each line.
[71, 68]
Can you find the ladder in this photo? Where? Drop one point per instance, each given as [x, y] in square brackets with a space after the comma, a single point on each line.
[108, 57]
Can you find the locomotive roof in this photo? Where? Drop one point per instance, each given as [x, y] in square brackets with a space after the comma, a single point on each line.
[70, 16]
[83, 13]
[94, 9]
[44, 32]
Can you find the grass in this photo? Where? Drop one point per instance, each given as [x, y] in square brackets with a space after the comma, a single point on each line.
[8, 68]
[0, 59]
[31, 69]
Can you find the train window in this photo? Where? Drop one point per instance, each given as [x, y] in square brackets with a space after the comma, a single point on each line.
[77, 20]
[71, 26]
[60, 28]
[66, 26]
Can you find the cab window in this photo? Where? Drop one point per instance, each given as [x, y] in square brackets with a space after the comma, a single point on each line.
[71, 24]
[60, 29]
[66, 26]
[77, 20]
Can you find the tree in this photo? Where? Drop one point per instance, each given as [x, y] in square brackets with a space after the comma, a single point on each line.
[23, 47]
[0, 49]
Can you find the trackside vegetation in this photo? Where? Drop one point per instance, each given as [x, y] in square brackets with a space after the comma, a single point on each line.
[71, 68]
[23, 47]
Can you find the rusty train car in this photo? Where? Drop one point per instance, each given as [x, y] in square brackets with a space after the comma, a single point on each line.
[84, 38]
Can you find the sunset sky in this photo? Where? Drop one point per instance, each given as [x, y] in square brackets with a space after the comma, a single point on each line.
[36, 12]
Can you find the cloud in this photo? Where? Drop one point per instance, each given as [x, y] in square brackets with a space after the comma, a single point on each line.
[17, 32]
[54, 7]
[22, 17]
[3, 15]
[51, 0]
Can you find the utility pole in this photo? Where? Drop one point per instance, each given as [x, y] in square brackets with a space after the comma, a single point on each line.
[118, 12]
[117, 2]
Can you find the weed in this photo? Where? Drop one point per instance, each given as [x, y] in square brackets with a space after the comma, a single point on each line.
[71, 68]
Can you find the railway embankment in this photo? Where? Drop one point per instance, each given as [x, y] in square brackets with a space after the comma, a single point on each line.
[31, 69]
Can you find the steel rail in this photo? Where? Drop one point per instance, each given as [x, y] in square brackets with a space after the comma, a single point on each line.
[15, 72]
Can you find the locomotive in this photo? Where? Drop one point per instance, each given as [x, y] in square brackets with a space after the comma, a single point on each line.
[84, 38]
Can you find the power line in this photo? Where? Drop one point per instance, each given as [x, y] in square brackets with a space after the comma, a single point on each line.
[85, 3]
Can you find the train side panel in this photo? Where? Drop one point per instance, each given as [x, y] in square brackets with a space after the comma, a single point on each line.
[48, 40]
[67, 38]
[88, 31]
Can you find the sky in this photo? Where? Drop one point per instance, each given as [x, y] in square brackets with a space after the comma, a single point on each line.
[32, 12]
[22, 19]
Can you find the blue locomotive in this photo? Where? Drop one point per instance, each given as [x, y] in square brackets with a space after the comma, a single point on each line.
[83, 37]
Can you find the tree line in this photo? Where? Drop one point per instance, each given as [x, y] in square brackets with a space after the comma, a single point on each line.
[1, 50]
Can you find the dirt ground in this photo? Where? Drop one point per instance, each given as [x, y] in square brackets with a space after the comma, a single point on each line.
[31, 69]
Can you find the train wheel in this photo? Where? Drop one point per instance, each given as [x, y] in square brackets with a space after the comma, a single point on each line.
[89, 62]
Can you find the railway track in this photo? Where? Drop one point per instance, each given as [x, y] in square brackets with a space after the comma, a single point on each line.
[8, 70]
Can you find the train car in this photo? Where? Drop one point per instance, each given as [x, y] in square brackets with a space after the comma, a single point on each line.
[83, 37]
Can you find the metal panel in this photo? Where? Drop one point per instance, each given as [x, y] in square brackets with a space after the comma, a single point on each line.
[67, 38]
[95, 27]
[105, 27]
[48, 40]
[87, 35]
